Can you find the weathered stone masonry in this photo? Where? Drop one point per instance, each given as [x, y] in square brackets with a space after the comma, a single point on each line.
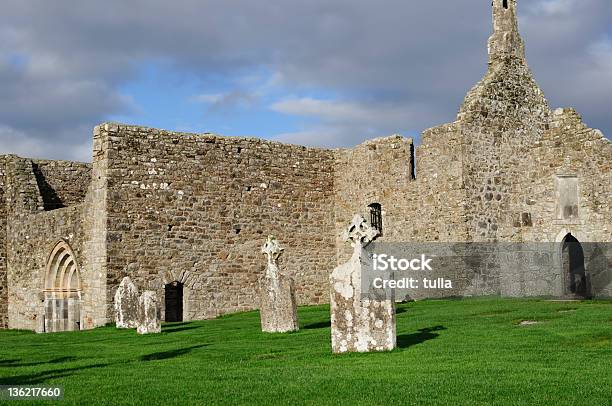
[3, 215]
[193, 209]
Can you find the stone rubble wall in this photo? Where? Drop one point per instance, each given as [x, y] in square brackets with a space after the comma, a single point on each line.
[569, 147]
[30, 241]
[62, 183]
[196, 209]
[440, 206]
[500, 119]
[31, 233]
[20, 200]
[3, 273]
[377, 171]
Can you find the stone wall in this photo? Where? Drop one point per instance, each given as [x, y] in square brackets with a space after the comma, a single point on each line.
[500, 120]
[378, 171]
[98, 301]
[441, 201]
[197, 208]
[569, 149]
[30, 241]
[31, 233]
[62, 183]
[3, 218]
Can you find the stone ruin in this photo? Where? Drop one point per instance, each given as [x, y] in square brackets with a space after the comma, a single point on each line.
[508, 168]
[278, 308]
[148, 313]
[359, 324]
[126, 304]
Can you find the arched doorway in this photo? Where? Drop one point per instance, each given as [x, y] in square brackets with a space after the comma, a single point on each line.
[174, 301]
[575, 276]
[62, 291]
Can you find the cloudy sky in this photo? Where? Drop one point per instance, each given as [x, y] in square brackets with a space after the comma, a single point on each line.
[314, 72]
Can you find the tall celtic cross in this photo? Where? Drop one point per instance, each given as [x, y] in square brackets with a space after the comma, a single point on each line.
[360, 232]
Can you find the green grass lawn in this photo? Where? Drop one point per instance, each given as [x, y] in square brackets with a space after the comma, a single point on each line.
[450, 352]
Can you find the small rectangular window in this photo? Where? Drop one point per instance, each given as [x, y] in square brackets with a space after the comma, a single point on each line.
[376, 217]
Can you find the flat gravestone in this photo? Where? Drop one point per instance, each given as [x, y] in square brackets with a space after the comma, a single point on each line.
[359, 324]
[148, 313]
[278, 308]
[126, 304]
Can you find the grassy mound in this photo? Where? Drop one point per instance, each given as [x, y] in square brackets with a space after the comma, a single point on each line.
[476, 351]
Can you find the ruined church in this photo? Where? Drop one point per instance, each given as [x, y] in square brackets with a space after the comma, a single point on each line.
[185, 214]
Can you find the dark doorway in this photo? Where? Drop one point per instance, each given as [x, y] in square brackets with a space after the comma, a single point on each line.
[174, 301]
[576, 281]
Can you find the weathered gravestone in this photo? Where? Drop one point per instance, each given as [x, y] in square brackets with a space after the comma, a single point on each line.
[278, 310]
[359, 324]
[148, 313]
[126, 304]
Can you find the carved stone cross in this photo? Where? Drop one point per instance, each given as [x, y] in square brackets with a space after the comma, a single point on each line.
[360, 232]
[272, 249]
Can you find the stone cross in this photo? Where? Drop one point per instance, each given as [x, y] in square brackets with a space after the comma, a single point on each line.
[126, 304]
[359, 323]
[149, 314]
[272, 249]
[359, 232]
[278, 307]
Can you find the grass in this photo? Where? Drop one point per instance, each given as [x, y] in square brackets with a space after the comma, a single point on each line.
[471, 351]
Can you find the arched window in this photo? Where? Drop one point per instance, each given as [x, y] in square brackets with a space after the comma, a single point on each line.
[376, 217]
[505, 3]
[62, 290]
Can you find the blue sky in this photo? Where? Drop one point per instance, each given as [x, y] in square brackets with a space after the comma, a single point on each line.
[328, 73]
[164, 97]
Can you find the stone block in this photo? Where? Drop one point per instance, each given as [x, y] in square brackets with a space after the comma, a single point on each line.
[278, 307]
[149, 313]
[126, 304]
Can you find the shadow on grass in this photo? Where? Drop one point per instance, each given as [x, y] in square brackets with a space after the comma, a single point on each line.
[18, 363]
[170, 354]
[44, 376]
[400, 310]
[177, 324]
[321, 324]
[424, 334]
[170, 329]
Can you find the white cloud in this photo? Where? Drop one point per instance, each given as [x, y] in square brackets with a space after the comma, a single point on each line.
[20, 143]
[392, 66]
[338, 123]
[334, 111]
